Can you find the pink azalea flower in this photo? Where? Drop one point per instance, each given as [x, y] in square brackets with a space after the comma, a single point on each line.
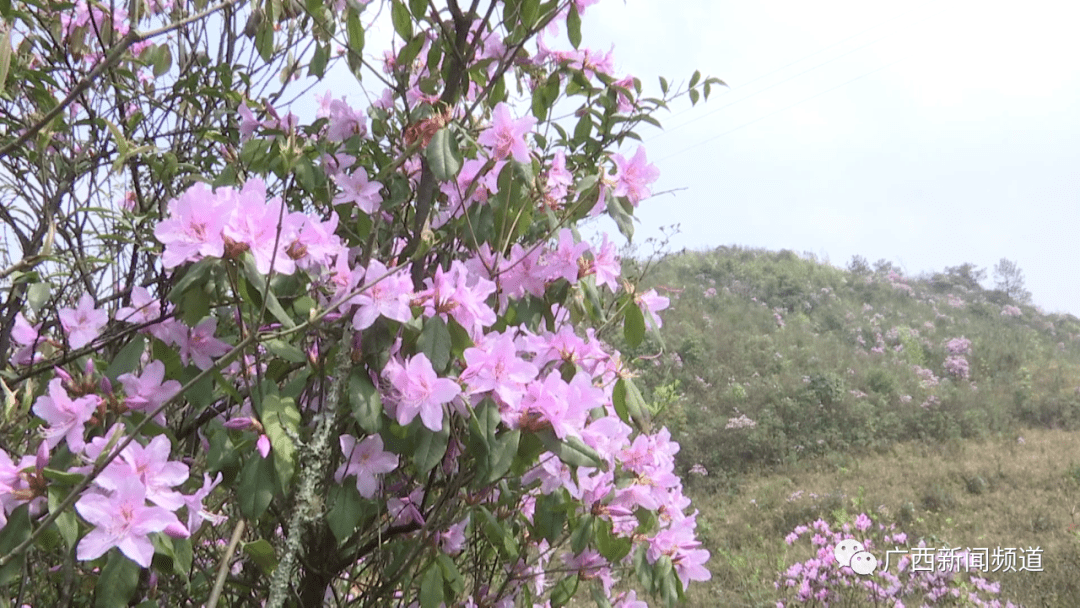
[144, 308]
[652, 303]
[84, 322]
[344, 121]
[263, 227]
[124, 521]
[193, 229]
[563, 261]
[365, 460]
[632, 177]
[420, 391]
[200, 344]
[29, 337]
[506, 136]
[196, 512]
[493, 365]
[607, 266]
[388, 297]
[66, 417]
[357, 189]
[147, 392]
[152, 467]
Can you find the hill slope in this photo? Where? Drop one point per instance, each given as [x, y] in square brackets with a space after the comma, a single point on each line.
[772, 358]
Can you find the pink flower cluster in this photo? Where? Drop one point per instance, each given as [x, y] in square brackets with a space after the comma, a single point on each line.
[821, 580]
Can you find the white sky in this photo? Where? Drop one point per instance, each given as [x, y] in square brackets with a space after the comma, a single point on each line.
[928, 134]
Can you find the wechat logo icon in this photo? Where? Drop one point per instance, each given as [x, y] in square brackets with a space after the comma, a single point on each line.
[852, 554]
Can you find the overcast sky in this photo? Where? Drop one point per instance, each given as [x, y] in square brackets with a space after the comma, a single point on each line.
[928, 134]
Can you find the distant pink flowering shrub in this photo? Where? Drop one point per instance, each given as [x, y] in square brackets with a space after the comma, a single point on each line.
[958, 346]
[1011, 311]
[822, 581]
[957, 367]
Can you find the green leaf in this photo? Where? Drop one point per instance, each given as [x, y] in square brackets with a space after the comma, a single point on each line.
[399, 15]
[319, 59]
[435, 343]
[127, 359]
[633, 324]
[430, 446]
[572, 450]
[694, 96]
[162, 60]
[629, 404]
[612, 547]
[256, 487]
[582, 534]
[66, 523]
[262, 553]
[346, 512]
[573, 25]
[549, 516]
[117, 582]
[418, 8]
[258, 281]
[530, 12]
[285, 350]
[583, 130]
[450, 573]
[498, 535]
[37, 295]
[442, 155]
[365, 401]
[16, 531]
[355, 30]
[264, 40]
[695, 78]
[5, 49]
[431, 588]
[564, 591]
[280, 418]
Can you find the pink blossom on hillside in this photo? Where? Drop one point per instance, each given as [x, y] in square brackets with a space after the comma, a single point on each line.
[557, 178]
[957, 366]
[958, 346]
[494, 366]
[84, 322]
[196, 512]
[1011, 311]
[264, 227]
[506, 136]
[607, 266]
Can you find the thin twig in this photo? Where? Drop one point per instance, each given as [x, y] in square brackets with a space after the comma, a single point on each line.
[223, 567]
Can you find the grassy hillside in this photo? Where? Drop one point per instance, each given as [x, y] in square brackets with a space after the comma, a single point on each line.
[803, 392]
[772, 358]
